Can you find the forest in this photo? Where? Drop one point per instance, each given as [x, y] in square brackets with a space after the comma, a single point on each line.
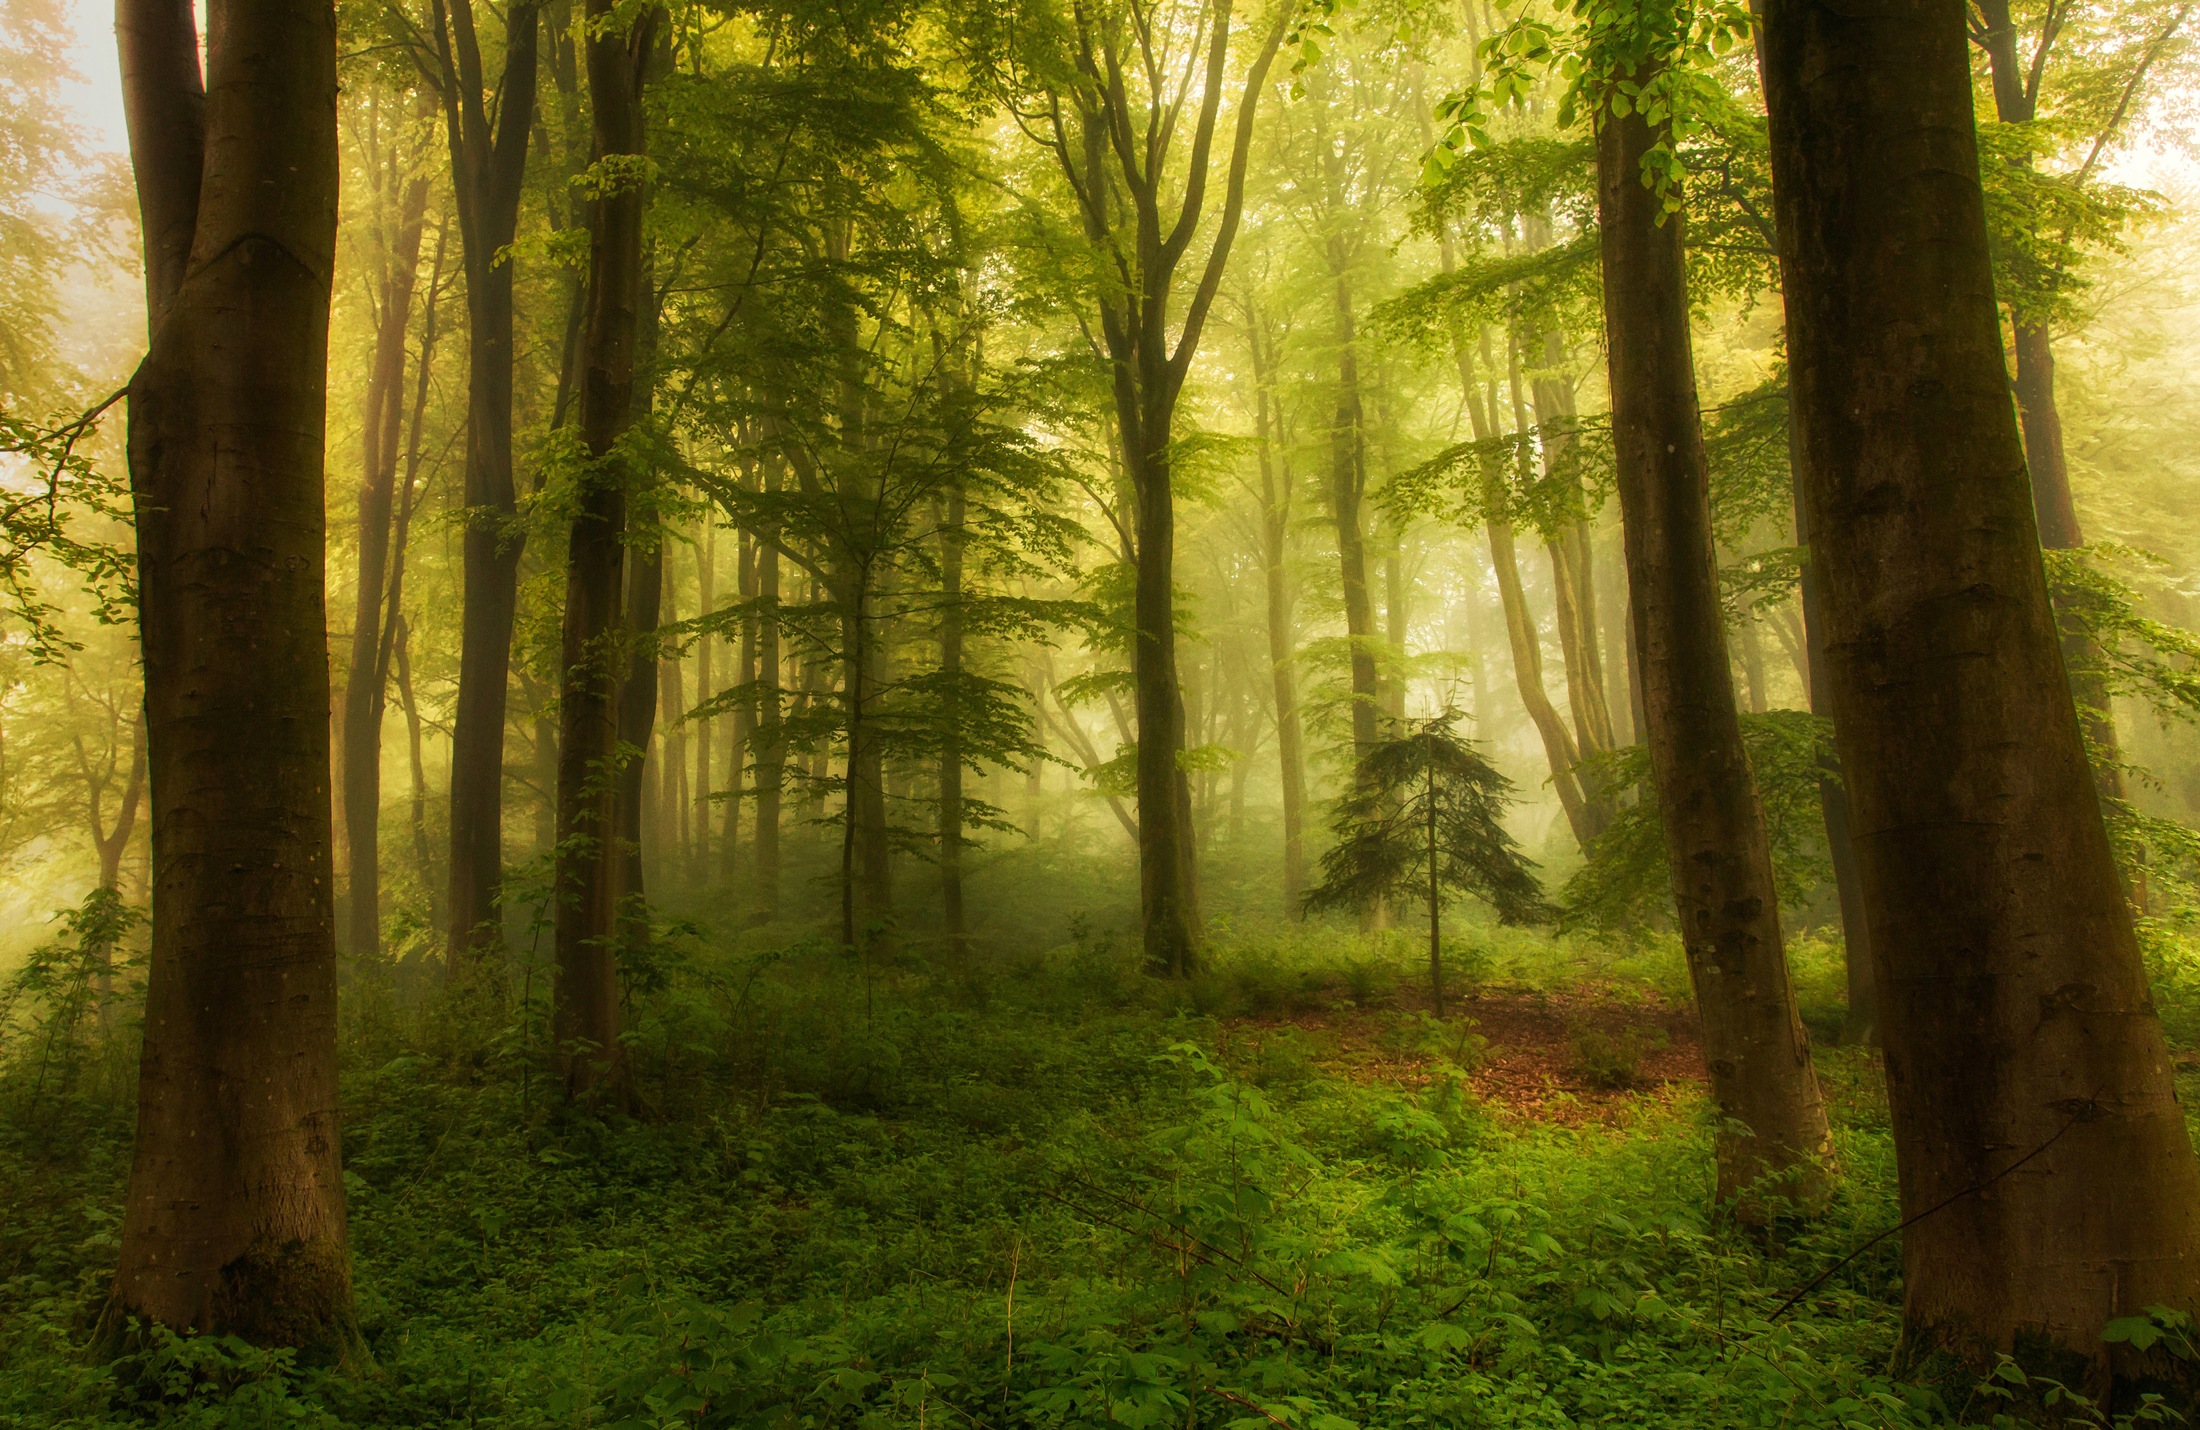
[1056, 714]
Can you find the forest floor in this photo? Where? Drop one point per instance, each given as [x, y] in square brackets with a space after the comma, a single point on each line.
[1047, 1193]
[1563, 1057]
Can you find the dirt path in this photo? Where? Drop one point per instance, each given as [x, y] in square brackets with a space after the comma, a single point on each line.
[1569, 1058]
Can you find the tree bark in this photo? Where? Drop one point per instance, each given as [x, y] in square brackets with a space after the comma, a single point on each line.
[586, 1014]
[2014, 1009]
[486, 172]
[1773, 1145]
[234, 1221]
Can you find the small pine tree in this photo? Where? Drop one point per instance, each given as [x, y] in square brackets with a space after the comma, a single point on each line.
[1422, 818]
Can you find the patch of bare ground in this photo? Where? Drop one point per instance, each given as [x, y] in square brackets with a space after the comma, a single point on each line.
[1570, 1058]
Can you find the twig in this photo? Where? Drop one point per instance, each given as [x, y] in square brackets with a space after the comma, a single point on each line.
[1235, 1399]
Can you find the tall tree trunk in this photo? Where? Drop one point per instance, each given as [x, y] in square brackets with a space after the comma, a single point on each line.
[674, 844]
[1275, 532]
[1168, 877]
[744, 720]
[867, 890]
[586, 1014]
[771, 746]
[1573, 574]
[643, 604]
[2014, 1010]
[1860, 1024]
[706, 585]
[234, 1221]
[2016, 101]
[952, 539]
[413, 739]
[1753, 664]
[113, 843]
[391, 656]
[1347, 486]
[487, 167]
[1526, 644]
[382, 431]
[1148, 366]
[1522, 637]
[1773, 1144]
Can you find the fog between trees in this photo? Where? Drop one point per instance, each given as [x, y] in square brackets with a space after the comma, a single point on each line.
[649, 581]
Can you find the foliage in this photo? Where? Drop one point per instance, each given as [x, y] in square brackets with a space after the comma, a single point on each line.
[1652, 57]
[64, 994]
[50, 494]
[1624, 882]
[1061, 1209]
[2131, 655]
[1424, 812]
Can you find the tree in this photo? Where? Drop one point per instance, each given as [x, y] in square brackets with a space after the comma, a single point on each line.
[2023, 1051]
[595, 651]
[1716, 843]
[235, 1214]
[2039, 263]
[1423, 817]
[1108, 109]
[1273, 500]
[401, 206]
[488, 163]
[1632, 72]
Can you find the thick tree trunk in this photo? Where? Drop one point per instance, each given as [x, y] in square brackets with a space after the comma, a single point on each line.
[364, 686]
[234, 1220]
[486, 168]
[1773, 1144]
[586, 1014]
[2027, 1076]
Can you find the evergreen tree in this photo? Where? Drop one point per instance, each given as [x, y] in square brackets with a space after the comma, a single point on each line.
[1424, 819]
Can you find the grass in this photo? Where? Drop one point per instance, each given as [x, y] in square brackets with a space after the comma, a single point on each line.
[1040, 1192]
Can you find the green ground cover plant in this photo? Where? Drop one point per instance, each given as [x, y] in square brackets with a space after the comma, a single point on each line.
[1082, 1199]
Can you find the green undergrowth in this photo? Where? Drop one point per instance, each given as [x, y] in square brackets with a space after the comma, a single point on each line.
[1041, 1192]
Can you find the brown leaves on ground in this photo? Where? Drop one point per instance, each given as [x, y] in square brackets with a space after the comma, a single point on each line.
[1571, 1057]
